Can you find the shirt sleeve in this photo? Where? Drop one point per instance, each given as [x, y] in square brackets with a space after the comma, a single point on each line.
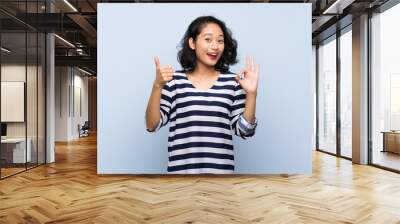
[240, 126]
[165, 106]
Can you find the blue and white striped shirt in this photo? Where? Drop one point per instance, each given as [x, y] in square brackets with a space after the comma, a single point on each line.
[202, 123]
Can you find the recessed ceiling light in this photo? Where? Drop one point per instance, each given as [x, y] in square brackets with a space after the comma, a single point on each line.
[5, 50]
[84, 71]
[70, 5]
[337, 7]
[64, 40]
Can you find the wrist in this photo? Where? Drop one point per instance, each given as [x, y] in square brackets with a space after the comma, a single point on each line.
[251, 94]
[157, 85]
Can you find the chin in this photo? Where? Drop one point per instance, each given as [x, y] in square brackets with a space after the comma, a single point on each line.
[210, 64]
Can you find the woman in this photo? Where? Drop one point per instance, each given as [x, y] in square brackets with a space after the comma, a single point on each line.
[204, 102]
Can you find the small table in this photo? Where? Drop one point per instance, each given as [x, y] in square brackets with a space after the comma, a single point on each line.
[391, 141]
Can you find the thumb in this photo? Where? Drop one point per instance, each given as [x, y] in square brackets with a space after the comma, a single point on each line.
[157, 62]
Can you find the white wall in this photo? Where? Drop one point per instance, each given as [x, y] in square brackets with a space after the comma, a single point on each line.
[80, 84]
[61, 103]
[67, 115]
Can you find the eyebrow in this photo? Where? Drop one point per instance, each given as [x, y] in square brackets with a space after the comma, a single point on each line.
[221, 35]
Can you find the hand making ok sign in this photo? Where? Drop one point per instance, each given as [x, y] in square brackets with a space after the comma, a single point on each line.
[248, 77]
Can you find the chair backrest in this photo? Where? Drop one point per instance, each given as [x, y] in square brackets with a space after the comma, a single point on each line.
[86, 125]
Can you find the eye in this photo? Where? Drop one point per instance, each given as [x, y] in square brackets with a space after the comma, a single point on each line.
[221, 41]
[208, 39]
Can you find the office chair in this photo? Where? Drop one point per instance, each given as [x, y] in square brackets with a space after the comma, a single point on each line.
[84, 130]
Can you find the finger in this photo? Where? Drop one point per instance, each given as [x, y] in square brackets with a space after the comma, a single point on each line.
[166, 79]
[257, 69]
[157, 62]
[247, 62]
[166, 67]
[168, 75]
[243, 74]
[237, 77]
[240, 75]
[251, 65]
[167, 70]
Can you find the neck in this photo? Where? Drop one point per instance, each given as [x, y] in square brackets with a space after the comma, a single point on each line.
[202, 69]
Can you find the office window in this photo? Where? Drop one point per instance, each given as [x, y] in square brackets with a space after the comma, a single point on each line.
[385, 83]
[346, 93]
[327, 96]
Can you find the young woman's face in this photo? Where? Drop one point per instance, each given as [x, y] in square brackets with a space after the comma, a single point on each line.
[209, 45]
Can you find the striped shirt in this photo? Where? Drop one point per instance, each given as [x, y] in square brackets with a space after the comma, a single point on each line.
[202, 123]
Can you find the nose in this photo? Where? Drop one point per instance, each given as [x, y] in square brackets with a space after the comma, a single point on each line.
[214, 45]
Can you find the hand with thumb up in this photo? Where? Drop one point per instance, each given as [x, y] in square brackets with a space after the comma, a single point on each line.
[163, 73]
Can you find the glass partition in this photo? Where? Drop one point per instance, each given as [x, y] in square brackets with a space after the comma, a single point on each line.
[32, 95]
[41, 87]
[13, 111]
[22, 77]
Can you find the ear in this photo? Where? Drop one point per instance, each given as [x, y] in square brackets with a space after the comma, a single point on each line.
[191, 44]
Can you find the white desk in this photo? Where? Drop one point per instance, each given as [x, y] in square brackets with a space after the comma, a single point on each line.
[19, 149]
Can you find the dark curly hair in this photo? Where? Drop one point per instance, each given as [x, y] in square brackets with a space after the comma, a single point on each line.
[187, 56]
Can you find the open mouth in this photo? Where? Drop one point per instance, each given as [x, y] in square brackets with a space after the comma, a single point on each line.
[212, 56]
